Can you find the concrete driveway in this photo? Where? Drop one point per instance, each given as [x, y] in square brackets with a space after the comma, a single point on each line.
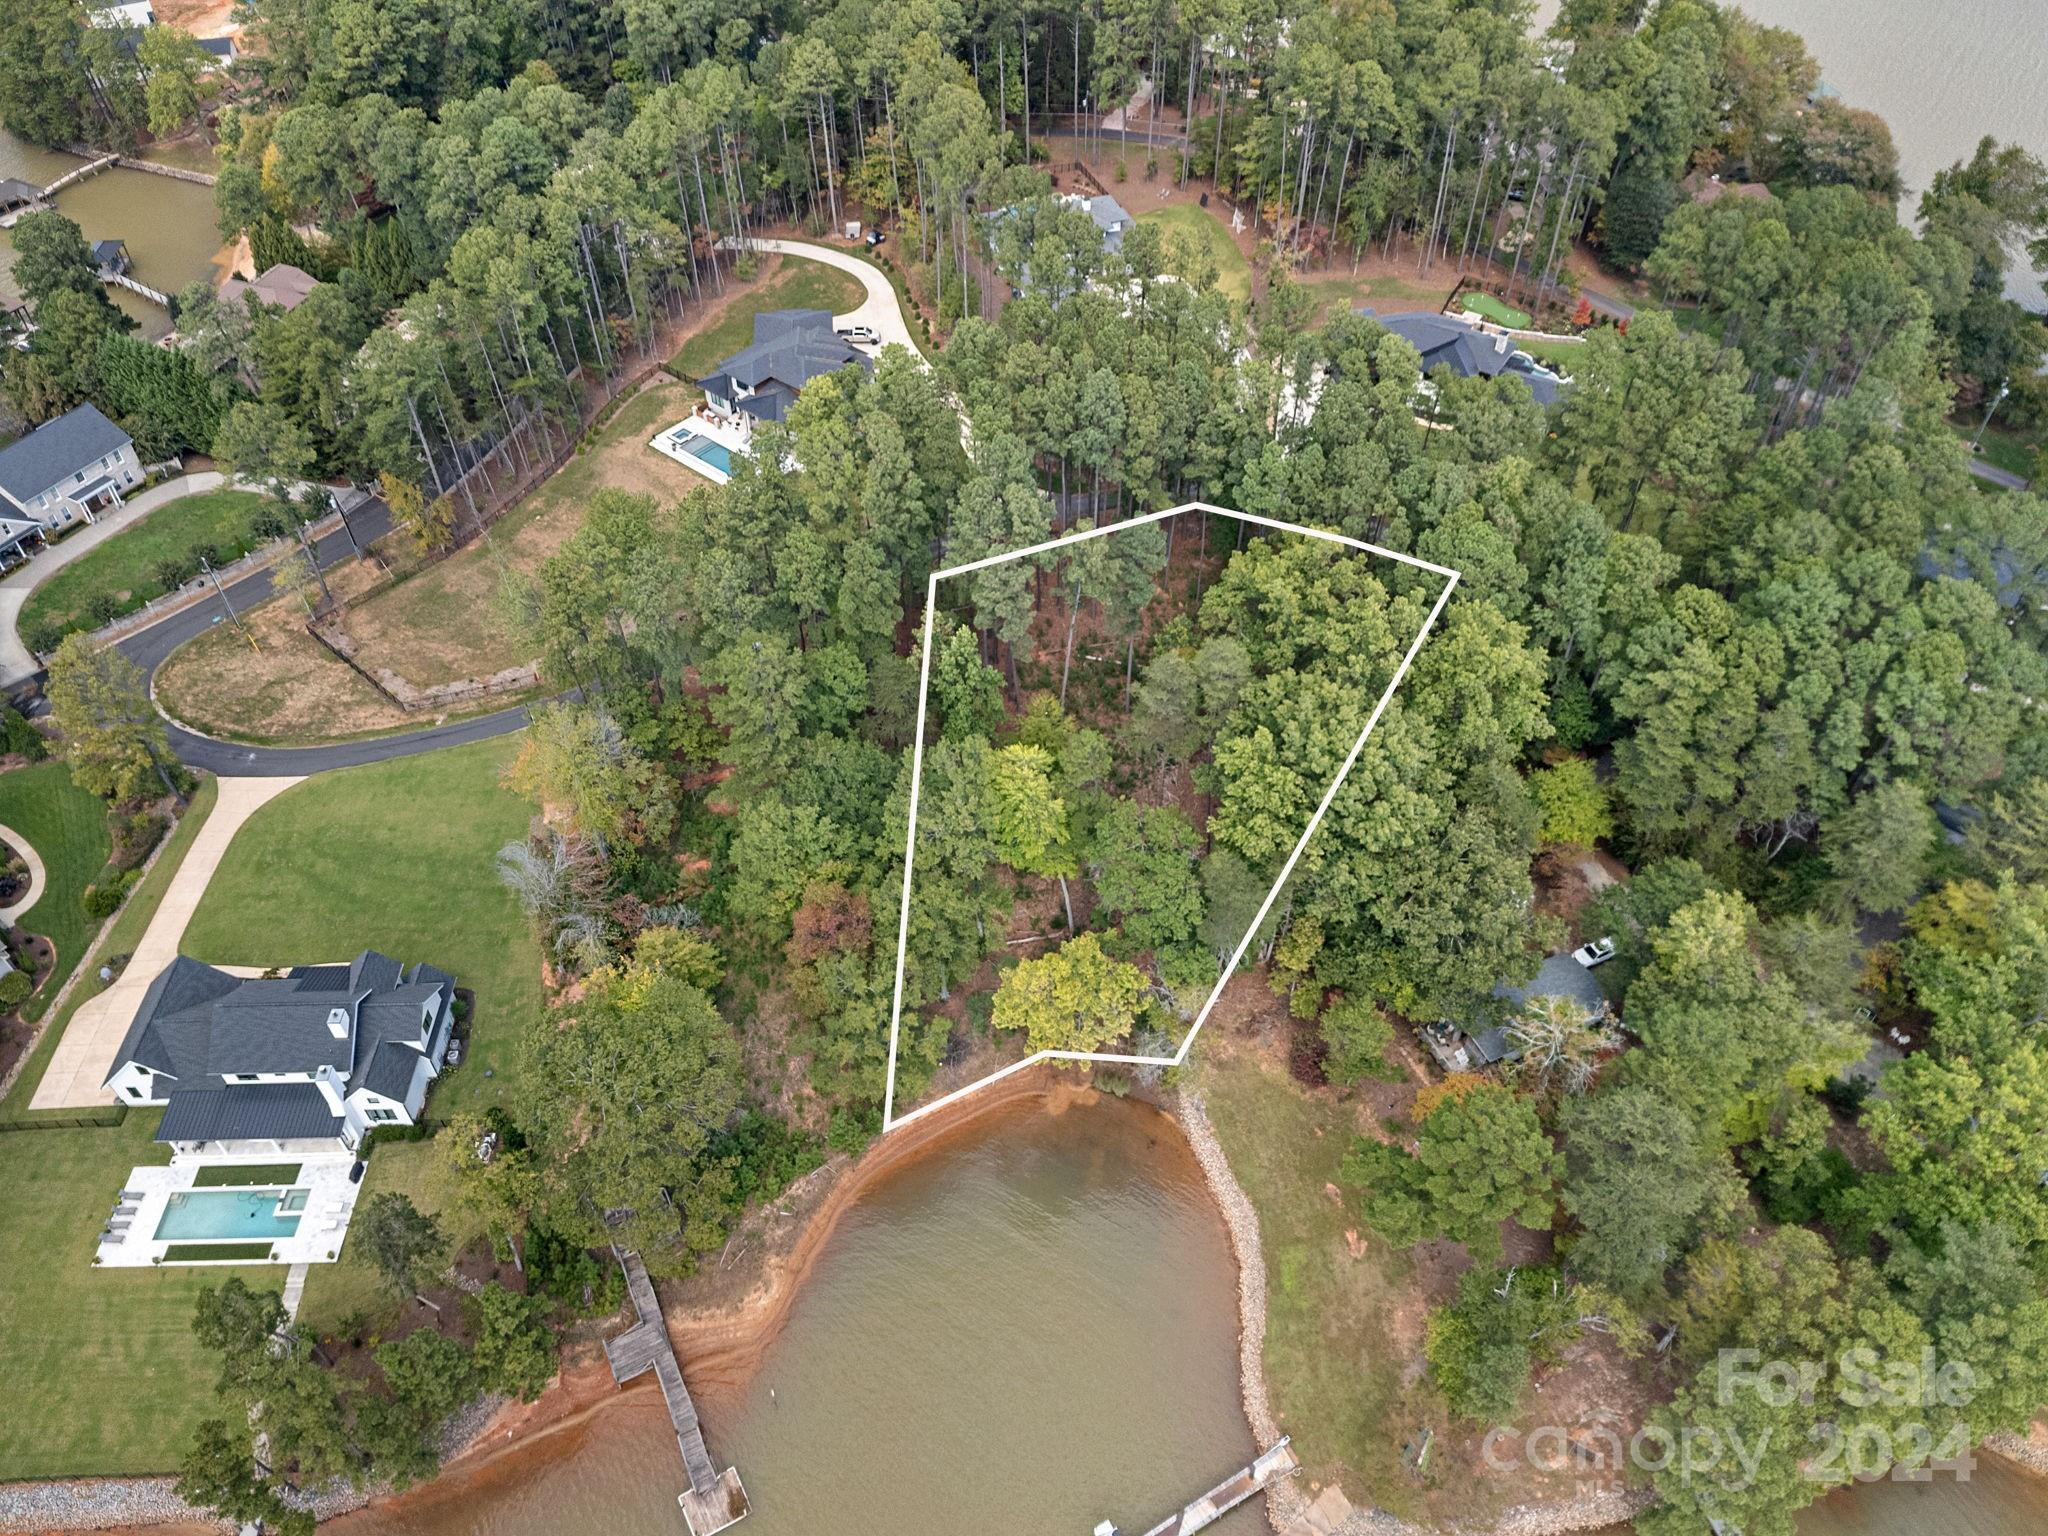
[16, 661]
[37, 877]
[880, 312]
[85, 1053]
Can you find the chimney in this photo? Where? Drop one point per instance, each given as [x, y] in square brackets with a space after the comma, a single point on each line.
[337, 1023]
[329, 1082]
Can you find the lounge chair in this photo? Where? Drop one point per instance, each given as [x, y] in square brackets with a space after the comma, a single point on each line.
[133, 1194]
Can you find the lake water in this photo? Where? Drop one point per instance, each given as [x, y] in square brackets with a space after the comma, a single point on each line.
[1943, 73]
[1031, 1328]
[168, 225]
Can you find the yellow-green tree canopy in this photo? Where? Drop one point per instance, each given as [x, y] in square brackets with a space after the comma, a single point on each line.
[1075, 999]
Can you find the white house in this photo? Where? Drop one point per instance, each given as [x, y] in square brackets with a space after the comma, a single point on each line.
[70, 468]
[133, 13]
[305, 1062]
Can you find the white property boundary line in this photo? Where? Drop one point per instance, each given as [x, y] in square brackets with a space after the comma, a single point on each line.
[889, 1117]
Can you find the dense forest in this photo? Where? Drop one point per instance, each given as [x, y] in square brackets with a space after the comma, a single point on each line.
[1734, 609]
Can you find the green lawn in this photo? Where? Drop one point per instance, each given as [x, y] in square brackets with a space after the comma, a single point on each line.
[799, 284]
[1495, 310]
[124, 568]
[1193, 223]
[1332, 1366]
[129, 925]
[244, 1175]
[2012, 452]
[68, 828]
[398, 857]
[1561, 355]
[351, 1289]
[100, 1363]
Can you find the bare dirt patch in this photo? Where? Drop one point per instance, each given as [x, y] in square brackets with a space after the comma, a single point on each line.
[288, 688]
[444, 623]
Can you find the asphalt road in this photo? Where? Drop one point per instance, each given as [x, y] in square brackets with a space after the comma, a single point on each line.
[148, 648]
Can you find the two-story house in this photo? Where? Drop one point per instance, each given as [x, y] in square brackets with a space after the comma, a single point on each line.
[71, 468]
[302, 1062]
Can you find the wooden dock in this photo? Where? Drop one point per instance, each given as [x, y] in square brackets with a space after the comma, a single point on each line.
[1277, 1462]
[714, 1499]
[69, 177]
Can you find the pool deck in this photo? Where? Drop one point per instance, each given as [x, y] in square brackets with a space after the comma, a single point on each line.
[711, 428]
[141, 1202]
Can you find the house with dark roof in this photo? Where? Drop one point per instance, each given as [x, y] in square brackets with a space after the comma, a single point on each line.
[67, 469]
[1466, 350]
[791, 347]
[305, 1061]
[283, 286]
[1486, 1042]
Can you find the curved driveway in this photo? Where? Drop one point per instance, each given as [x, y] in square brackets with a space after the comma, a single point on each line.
[148, 648]
[879, 311]
[16, 661]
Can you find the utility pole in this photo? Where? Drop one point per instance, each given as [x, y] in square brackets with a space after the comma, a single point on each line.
[313, 560]
[221, 592]
[1997, 400]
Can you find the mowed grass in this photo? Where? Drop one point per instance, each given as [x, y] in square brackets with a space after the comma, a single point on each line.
[2013, 452]
[352, 1291]
[130, 923]
[1333, 1368]
[398, 857]
[1496, 310]
[1193, 223]
[102, 1371]
[124, 567]
[796, 284]
[68, 828]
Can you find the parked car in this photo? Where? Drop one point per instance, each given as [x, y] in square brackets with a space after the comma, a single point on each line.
[1522, 362]
[1599, 952]
[860, 335]
[875, 238]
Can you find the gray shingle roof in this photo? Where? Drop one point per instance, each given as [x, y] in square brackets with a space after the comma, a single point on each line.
[790, 347]
[198, 1023]
[390, 1071]
[248, 1112]
[1465, 350]
[1560, 976]
[57, 450]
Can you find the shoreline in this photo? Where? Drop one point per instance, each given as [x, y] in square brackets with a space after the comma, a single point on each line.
[722, 1346]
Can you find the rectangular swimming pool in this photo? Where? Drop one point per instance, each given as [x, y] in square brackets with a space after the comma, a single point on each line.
[717, 455]
[247, 1213]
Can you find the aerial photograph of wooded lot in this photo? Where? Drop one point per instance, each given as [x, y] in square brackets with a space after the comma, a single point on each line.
[834, 767]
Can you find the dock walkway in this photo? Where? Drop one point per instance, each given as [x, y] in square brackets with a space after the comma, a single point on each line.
[1276, 1462]
[714, 1499]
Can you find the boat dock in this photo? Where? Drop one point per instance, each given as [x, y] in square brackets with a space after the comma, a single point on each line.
[1277, 1462]
[123, 280]
[78, 175]
[714, 1499]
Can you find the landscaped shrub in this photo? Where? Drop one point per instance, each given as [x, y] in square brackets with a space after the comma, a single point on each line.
[135, 836]
[173, 571]
[42, 636]
[102, 609]
[15, 988]
[17, 735]
[103, 897]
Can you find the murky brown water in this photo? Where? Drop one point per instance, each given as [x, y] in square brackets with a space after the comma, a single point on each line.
[1027, 1330]
[168, 225]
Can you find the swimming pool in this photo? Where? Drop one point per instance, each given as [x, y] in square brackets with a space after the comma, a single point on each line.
[250, 1213]
[717, 455]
